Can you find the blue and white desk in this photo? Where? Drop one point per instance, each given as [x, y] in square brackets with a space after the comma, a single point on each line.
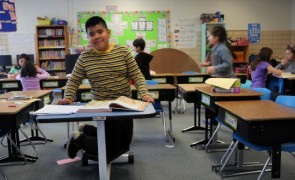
[100, 118]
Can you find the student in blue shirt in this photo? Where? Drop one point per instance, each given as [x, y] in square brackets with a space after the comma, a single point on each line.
[221, 59]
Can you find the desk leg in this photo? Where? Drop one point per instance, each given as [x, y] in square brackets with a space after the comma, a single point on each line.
[276, 161]
[196, 127]
[104, 168]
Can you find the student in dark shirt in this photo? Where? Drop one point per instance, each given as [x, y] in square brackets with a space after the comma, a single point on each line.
[143, 59]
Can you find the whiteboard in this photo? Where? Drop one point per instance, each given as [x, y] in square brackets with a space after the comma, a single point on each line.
[19, 43]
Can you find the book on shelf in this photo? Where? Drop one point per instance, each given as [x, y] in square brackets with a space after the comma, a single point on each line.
[121, 103]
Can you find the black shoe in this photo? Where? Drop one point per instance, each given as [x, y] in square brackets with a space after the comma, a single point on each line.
[72, 148]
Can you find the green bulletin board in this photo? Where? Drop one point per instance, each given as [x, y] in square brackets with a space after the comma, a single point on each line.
[152, 26]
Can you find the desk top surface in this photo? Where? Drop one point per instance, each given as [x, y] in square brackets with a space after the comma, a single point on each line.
[148, 112]
[192, 87]
[180, 74]
[244, 92]
[50, 79]
[30, 93]
[258, 110]
[6, 109]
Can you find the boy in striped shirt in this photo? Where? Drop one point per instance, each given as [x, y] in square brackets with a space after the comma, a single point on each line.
[108, 68]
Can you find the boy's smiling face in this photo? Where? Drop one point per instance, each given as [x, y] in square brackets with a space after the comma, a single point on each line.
[99, 37]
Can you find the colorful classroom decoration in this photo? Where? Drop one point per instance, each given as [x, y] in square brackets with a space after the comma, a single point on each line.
[8, 16]
[152, 26]
[254, 33]
[184, 33]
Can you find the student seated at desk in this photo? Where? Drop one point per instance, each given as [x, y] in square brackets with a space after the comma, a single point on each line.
[30, 76]
[108, 68]
[261, 67]
[143, 59]
[288, 63]
[220, 63]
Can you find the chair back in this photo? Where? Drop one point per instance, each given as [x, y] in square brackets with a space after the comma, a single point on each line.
[276, 85]
[189, 72]
[151, 82]
[286, 100]
[247, 84]
[266, 93]
[158, 107]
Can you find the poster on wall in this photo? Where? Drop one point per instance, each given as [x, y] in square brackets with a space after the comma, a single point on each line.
[8, 16]
[254, 33]
[184, 33]
[126, 26]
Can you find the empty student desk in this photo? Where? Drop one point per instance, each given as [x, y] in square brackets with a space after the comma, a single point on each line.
[261, 122]
[9, 84]
[100, 118]
[208, 99]
[165, 78]
[189, 94]
[12, 118]
[38, 94]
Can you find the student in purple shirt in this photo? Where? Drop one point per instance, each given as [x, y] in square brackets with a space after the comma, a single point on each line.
[261, 67]
[30, 76]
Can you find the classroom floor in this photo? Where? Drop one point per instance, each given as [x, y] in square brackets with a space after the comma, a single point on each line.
[153, 160]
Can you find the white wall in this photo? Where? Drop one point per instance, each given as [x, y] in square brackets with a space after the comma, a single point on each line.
[272, 14]
[293, 15]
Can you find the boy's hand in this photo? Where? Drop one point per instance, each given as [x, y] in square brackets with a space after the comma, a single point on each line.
[65, 101]
[148, 98]
[211, 69]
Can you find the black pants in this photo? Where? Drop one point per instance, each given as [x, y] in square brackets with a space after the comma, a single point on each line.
[118, 134]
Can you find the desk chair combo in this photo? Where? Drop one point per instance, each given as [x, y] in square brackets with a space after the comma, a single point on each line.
[180, 102]
[287, 147]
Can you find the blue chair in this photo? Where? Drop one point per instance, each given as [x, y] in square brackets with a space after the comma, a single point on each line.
[276, 85]
[190, 72]
[287, 147]
[158, 107]
[247, 84]
[265, 91]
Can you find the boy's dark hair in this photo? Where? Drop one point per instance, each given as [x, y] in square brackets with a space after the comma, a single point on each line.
[264, 55]
[94, 20]
[25, 56]
[291, 48]
[139, 43]
[28, 70]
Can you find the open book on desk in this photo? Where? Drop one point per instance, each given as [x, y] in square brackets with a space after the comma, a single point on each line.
[121, 103]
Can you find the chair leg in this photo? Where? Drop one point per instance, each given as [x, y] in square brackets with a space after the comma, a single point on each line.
[212, 137]
[39, 130]
[3, 174]
[30, 142]
[228, 157]
[265, 166]
[227, 151]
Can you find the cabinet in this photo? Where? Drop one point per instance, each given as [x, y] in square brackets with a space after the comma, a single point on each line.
[240, 63]
[205, 30]
[51, 48]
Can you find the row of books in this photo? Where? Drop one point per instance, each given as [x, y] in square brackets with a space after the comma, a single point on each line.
[60, 74]
[53, 65]
[50, 32]
[54, 54]
[51, 43]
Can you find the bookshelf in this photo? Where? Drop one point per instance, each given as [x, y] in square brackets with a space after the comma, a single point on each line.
[241, 61]
[51, 48]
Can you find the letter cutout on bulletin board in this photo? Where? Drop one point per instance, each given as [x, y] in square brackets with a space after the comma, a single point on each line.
[152, 26]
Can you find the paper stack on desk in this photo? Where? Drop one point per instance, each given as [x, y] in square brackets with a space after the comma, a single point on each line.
[229, 85]
[57, 110]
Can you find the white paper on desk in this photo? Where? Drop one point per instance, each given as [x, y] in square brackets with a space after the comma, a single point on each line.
[225, 83]
[56, 110]
[287, 75]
